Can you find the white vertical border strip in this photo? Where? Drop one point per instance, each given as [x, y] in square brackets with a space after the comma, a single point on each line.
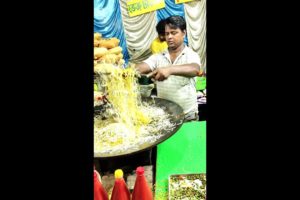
[139, 33]
[195, 15]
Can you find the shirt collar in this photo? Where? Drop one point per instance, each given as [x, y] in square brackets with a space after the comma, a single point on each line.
[166, 52]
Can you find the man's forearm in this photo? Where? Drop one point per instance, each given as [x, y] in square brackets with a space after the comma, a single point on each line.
[143, 68]
[188, 70]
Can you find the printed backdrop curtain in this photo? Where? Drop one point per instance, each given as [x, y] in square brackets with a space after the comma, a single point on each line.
[136, 34]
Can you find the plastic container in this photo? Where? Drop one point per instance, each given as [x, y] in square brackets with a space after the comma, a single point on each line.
[120, 190]
[99, 191]
[200, 83]
[194, 183]
[141, 190]
[146, 90]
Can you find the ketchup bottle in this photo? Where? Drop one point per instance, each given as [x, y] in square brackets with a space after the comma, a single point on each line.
[99, 191]
[141, 190]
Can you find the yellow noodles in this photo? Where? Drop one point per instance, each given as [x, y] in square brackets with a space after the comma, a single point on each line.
[125, 122]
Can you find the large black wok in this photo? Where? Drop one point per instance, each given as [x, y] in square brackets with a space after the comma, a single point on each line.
[177, 117]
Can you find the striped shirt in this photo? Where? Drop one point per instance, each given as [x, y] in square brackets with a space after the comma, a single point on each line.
[179, 89]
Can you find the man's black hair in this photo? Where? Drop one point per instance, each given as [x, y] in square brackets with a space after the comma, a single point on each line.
[160, 27]
[176, 22]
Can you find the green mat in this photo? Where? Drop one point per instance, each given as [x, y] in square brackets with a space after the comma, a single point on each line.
[183, 153]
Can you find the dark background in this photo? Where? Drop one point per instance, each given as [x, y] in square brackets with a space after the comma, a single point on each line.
[47, 100]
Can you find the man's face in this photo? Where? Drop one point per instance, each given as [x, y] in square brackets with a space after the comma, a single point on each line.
[174, 37]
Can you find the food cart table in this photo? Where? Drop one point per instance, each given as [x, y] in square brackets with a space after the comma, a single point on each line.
[183, 153]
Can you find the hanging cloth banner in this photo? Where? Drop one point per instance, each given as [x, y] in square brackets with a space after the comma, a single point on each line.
[182, 1]
[138, 7]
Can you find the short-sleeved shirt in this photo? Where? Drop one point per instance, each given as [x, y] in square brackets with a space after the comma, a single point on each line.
[179, 89]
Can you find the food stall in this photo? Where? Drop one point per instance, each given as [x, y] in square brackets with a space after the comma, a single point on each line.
[172, 151]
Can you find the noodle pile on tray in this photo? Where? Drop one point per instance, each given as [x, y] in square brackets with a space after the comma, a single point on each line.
[125, 122]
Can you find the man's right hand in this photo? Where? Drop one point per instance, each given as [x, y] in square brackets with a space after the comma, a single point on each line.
[161, 74]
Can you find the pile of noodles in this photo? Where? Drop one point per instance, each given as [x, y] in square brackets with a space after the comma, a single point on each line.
[127, 123]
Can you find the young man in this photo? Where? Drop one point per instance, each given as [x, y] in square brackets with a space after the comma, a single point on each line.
[175, 69]
[159, 44]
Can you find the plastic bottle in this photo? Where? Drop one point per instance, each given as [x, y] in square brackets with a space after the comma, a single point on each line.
[141, 190]
[120, 190]
[99, 191]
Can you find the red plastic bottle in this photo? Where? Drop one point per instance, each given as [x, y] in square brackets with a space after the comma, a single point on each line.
[141, 190]
[99, 191]
[120, 190]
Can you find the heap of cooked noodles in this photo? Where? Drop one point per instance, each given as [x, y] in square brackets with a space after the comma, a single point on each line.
[127, 122]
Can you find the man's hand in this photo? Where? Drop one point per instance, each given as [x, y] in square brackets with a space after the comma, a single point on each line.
[186, 70]
[161, 74]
